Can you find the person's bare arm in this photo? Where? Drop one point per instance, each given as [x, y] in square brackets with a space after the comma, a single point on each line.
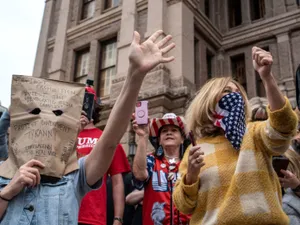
[139, 167]
[135, 197]
[118, 196]
[143, 57]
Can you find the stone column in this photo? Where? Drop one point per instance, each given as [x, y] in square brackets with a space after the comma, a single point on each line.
[156, 16]
[220, 64]
[269, 8]
[213, 11]
[202, 5]
[40, 64]
[94, 62]
[246, 16]
[180, 24]
[279, 7]
[291, 5]
[58, 65]
[223, 9]
[203, 62]
[99, 6]
[250, 74]
[128, 22]
[285, 64]
[128, 25]
[284, 55]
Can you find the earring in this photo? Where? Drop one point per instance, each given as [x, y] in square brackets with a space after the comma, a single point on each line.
[159, 151]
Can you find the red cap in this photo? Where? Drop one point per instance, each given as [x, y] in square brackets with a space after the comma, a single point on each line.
[92, 91]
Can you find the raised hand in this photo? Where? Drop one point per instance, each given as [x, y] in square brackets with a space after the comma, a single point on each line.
[262, 62]
[140, 130]
[195, 162]
[27, 176]
[144, 57]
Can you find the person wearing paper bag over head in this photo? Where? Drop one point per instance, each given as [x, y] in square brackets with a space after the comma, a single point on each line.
[25, 198]
[227, 178]
[157, 172]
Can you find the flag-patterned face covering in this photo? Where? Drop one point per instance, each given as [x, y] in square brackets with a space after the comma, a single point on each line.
[230, 116]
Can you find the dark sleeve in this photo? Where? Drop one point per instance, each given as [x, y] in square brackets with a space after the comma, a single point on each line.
[4, 125]
[150, 165]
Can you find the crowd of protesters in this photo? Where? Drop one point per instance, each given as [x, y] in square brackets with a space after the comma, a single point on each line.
[215, 165]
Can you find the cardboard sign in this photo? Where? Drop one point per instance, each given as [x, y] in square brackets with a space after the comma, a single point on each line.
[44, 125]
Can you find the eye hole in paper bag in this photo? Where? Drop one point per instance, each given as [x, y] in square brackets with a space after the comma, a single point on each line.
[35, 111]
[57, 112]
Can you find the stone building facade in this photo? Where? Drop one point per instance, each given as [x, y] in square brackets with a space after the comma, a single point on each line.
[82, 39]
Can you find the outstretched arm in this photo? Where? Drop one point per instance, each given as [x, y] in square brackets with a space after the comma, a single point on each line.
[143, 57]
[282, 123]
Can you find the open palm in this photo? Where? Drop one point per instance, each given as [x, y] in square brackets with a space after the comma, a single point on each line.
[149, 54]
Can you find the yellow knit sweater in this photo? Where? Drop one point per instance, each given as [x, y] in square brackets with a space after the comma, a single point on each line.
[239, 187]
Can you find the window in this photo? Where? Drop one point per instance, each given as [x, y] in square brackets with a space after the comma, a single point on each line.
[111, 3]
[234, 13]
[82, 66]
[238, 70]
[206, 6]
[260, 88]
[258, 9]
[88, 9]
[209, 57]
[108, 66]
[298, 2]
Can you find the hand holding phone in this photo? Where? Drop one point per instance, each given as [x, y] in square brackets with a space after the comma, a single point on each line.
[141, 112]
[280, 163]
[88, 105]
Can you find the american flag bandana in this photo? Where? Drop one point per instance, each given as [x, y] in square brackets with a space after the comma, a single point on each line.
[230, 116]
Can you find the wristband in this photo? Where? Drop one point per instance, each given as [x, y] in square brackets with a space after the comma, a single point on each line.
[5, 199]
[119, 219]
[297, 189]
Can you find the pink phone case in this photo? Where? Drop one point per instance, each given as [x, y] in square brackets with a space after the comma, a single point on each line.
[141, 112]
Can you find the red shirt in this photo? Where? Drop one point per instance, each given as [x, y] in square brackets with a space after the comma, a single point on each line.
[158, 207]
[93, 205]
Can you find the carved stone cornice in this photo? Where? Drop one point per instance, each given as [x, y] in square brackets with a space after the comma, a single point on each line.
[264, 29]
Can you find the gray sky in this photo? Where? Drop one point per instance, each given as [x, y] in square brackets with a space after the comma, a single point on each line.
[20, 23]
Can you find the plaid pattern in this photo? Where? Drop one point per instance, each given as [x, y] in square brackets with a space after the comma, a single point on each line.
[239, 187]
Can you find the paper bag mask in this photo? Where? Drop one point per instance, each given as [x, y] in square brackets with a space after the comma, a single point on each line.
[44, 125]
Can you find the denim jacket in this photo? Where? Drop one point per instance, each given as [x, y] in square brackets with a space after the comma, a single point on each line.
[49, 204]
[4, 125]
[291, 206]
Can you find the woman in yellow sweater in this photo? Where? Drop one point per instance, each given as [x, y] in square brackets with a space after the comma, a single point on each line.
[227, 178]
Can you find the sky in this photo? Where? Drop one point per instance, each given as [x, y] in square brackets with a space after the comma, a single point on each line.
[20, 24]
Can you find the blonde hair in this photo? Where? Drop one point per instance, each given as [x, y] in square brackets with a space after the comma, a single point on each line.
[294, 165]
[199, 115]
[258, 109]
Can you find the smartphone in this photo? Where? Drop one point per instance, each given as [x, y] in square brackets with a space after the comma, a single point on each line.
[192, 139]
[280, 163]
[88, 105]
[141, 112]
